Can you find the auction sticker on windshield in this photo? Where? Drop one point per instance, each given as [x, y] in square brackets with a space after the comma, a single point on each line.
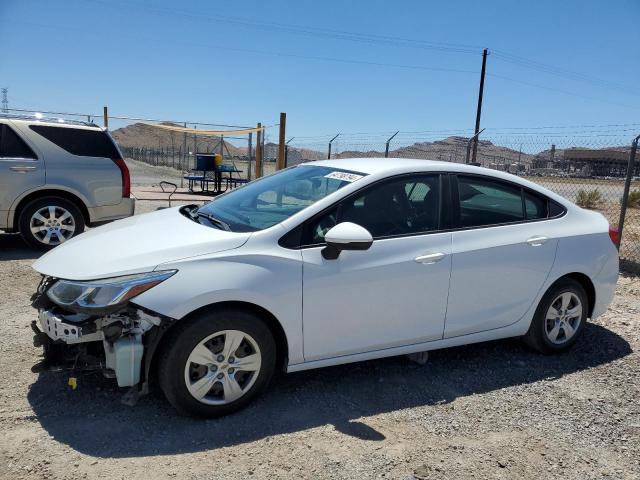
[344, 176]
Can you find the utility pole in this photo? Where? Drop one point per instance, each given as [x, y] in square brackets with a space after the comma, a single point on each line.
[282, 162]
[330, 142]
[485, 52]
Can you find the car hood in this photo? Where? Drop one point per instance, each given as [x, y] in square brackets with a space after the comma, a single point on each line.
[135, 245]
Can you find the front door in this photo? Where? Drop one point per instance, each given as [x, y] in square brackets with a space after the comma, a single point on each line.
[391, 295]
[20, 169]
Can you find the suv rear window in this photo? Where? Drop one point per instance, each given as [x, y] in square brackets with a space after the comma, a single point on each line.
[86, 143]
[12, 146]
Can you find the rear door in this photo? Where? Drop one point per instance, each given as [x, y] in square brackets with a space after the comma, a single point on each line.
[502, 251]
[20, 168]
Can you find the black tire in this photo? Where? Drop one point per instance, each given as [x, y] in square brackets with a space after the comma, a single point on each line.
[537, 337]
[186, 336]
[59, 204]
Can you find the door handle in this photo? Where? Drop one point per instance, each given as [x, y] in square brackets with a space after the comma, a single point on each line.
[22, 168]
[536, 241]
[430, 258]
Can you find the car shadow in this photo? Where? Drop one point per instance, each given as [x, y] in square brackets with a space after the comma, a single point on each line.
[13, 247]
[92, 420]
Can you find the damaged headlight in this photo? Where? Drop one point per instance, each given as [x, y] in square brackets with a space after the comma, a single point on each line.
[106, 293]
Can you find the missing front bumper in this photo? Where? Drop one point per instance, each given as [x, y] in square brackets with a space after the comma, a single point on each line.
[116, 344]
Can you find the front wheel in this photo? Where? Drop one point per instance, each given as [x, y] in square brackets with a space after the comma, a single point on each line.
[559, 318]
[217, 362]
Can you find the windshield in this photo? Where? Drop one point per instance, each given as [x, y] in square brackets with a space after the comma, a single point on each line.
[270, 200]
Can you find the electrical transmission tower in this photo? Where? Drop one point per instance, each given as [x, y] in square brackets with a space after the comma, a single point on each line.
[5, 100]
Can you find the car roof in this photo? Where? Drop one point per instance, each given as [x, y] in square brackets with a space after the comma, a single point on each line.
[49, 121]
[383, 167]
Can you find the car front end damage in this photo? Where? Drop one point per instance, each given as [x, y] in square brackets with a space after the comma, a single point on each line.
[95, 326]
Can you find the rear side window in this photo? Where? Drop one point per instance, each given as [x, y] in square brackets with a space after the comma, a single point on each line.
[85, 143]
[12, 146]
[488, 202]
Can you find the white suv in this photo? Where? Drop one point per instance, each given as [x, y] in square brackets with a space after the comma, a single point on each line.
[58, 176]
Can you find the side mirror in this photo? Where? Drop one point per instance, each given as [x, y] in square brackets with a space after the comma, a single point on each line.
[345, 236]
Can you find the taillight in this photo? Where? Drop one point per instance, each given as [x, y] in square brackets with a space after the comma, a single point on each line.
[126, 178]
[614, 235]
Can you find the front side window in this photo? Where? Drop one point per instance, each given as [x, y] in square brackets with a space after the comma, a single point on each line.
[406, 206]
[270, 200]
[12, 146]
[488, 202]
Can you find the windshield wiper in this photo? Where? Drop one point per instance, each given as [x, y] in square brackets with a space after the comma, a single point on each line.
[216, 221]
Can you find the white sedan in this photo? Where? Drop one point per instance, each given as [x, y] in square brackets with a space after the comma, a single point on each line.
[321, 264]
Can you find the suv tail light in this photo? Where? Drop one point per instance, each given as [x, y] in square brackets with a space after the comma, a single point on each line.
[126, 178]
[614, 235]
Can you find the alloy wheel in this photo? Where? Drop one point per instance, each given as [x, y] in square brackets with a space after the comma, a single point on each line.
[563, 318]
[52, 225]
[222, 367]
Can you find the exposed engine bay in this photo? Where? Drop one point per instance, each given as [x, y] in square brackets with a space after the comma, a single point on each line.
[119, 342]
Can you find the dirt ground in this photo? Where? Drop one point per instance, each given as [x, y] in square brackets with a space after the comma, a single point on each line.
[491, 410]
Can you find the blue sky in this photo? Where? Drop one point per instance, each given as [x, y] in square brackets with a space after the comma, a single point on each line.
[243, 62]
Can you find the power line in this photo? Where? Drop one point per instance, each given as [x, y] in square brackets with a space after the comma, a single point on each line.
[566, 92]
[301, 29]
[561, 72]
[278, 54]
[356, 62]
[381, 39]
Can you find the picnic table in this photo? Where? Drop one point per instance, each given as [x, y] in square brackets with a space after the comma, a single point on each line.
[202, 177]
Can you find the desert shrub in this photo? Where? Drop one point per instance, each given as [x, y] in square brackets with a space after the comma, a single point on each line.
[588, 198]
[634, 199]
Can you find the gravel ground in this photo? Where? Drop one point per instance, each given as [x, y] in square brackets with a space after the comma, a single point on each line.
[491, 410]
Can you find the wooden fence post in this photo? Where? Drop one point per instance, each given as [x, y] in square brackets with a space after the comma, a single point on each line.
[283, 124]
[259, 133]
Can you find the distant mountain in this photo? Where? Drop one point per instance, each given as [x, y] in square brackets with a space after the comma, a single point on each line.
[142, 135]
[451, 149]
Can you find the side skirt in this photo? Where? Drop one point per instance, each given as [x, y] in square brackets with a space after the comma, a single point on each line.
[516, 330]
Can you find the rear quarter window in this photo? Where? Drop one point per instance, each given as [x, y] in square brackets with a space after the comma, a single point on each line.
[77, 141]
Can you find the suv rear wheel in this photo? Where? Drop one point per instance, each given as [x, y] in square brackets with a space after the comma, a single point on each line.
[49, 221]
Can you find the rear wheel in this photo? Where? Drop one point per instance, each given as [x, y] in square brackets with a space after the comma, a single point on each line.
[217, 362]
[559, 318]
[49, 221]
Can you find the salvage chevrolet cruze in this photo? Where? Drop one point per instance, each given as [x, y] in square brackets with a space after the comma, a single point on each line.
[321, 264]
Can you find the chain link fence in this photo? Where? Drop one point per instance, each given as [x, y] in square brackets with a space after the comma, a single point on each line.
[588, 167]
[585, 164]
[143, 141]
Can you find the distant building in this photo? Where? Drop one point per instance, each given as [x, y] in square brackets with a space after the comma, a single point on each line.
[599, 163]
[585, 162]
